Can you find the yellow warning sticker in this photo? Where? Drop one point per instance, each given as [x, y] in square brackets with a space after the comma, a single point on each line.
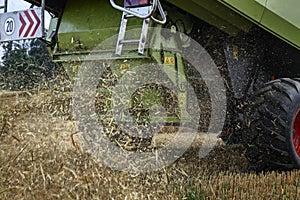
[125, 67]
[169, 61]
[75, 68]
[182, 99]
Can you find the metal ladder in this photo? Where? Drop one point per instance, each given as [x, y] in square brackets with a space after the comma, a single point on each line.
[4, 7]
[121, 38]
[144, 12]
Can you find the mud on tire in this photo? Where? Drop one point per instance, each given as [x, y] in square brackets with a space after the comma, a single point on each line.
[272, 134]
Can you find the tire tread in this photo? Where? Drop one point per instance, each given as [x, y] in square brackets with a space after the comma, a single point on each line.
[266, 120]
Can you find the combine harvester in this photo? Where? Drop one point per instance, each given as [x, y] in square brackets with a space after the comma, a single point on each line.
[255, 44]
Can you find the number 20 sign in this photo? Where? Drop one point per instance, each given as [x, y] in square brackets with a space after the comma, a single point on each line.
[20, 25]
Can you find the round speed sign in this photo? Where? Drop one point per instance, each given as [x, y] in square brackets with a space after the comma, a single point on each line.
[9, 26]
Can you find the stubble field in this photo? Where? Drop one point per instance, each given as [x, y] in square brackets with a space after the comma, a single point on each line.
[42, 156]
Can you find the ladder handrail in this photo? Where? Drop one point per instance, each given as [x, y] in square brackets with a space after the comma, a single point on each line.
[153, 8]
[162, 13]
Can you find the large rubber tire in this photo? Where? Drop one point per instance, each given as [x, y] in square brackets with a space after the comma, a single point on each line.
[272, 137]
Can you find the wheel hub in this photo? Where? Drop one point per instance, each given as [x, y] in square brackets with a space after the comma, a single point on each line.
[296, 134]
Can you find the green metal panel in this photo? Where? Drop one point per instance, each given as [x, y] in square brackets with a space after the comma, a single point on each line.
[276, 16]
[252, 9]
[283, 19]
[289, 10]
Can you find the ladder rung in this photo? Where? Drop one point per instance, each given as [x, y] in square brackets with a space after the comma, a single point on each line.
[1, 7]
[129, 41]
[128, 16]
